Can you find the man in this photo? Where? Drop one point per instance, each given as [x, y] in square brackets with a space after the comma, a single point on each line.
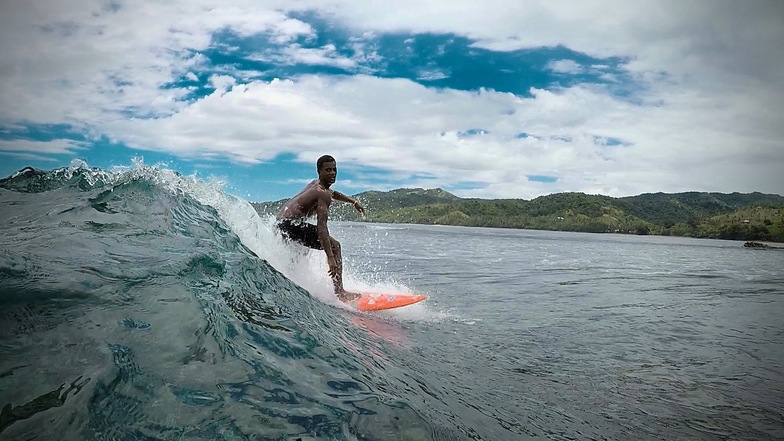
[316, 198]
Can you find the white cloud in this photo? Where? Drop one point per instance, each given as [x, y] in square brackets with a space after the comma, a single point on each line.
[709, 117]
[81, 62]
[222, 82]
[323, 56]
[565, 66]
[397, 125]
[27, 156]
[56, 146]
[432, 75]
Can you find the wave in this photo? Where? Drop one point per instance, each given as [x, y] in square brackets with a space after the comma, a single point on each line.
[137, 303]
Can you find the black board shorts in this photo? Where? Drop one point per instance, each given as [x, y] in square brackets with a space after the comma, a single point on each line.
[301, 232]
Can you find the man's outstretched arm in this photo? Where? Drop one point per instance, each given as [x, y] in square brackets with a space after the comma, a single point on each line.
[338, 196]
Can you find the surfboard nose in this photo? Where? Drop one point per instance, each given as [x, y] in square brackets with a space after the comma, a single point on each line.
[381, 301]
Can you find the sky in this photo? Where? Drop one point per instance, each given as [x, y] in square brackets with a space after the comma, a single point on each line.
[490, 99]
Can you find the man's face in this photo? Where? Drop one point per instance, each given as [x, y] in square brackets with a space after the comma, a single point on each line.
[328, 172]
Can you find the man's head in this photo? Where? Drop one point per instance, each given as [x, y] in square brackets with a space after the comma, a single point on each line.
[327, 170]
[322, 160]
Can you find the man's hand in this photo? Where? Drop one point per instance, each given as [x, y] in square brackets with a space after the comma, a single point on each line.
[359, 208]
[333, 266]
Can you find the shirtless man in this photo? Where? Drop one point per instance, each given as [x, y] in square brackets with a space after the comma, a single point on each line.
[316, 198]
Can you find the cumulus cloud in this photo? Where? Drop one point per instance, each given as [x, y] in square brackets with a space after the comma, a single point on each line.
[404, 127]
[565, 66]
[296, 54]
[73, 61]
[706, 115]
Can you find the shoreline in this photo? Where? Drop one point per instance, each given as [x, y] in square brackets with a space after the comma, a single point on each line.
[765, 244]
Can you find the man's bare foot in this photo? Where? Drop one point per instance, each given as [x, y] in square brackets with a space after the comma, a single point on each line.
[347, 296]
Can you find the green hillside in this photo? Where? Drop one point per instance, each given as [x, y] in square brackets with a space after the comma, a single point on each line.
[749, 216]
[752, 223]
[661, 208]
[406, 197]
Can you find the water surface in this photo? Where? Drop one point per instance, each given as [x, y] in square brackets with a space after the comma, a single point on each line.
[140, 304]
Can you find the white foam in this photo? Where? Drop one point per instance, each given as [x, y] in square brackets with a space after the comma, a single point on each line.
[308, 268]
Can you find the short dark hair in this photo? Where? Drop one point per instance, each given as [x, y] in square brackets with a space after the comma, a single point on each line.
[322, 160]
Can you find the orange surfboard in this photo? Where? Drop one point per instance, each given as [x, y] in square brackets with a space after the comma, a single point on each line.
[371, 301]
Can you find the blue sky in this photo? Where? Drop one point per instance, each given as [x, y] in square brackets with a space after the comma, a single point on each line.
[492, 99]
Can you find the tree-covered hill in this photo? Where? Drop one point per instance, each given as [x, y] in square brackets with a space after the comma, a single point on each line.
[662, 208]
[742, 216]
[406, 197]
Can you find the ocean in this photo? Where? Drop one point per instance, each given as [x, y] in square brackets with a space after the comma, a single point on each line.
[139, 304]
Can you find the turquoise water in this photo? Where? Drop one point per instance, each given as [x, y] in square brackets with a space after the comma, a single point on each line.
[141, 304]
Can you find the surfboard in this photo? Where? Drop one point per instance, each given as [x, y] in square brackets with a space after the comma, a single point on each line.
[374, 301]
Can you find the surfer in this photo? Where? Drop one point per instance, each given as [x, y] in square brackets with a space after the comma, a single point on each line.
[316, 198]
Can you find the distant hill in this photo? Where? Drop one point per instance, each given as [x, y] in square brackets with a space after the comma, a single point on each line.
[741, 216]
[406, 197]
[680, 207]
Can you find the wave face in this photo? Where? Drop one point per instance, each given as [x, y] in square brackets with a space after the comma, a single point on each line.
[140, 304]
